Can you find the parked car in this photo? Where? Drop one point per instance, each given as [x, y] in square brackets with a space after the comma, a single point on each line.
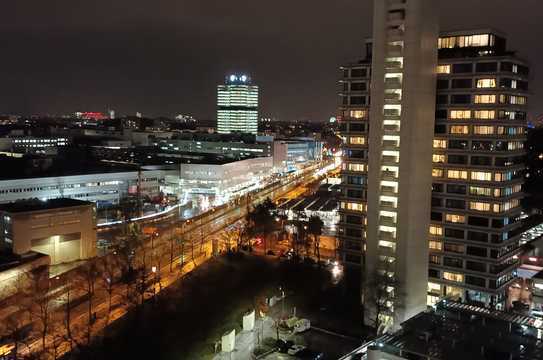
[295, 349]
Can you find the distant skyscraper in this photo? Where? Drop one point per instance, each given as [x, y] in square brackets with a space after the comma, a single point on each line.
[405, 33]
[237, 105]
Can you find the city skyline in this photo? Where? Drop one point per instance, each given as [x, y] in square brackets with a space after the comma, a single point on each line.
[176, 54]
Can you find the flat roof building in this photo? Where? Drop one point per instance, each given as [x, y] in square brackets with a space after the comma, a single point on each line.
[64, 229]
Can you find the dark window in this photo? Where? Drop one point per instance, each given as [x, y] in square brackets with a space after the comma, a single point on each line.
[358, 100]
[353, 259]
[475, 266]
[457, 159]
[357, 127]
[497, 223]
[452, 262]
[354, 232]
[494, 254]
[355, 180]
[356, 73]
[433, 273]
[454, 233]
[437, 187]
[358, 86]
[436, 216]
[486, 67]
[477, 221]
[462, 68]
[441, 114]
[481, 160]
[477, 236]
[345, 73]
[440, 129]
[357, 154]
[495, 238]
[506, 83]
[522, 85]
[477, 281]
[461, 99]
[353, 219]
[442, 84]
[456, 189]
[357, 194]
[437, 202]
[455, 248]
[506, 66]
[458, 144]
[476, 251]
[461, 83]
[442, 99]
[455, 204]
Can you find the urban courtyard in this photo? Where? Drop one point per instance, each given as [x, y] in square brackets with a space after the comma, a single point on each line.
[188, 319]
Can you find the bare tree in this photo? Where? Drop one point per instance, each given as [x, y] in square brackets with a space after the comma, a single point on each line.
[382, 295]
[88, 276]
[41, 302]
[110, 268]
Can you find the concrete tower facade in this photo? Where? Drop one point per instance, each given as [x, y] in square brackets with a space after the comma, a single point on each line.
[402, 113]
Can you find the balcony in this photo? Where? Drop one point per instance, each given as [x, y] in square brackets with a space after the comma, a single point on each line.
[387, 236]
[389, 159]
[386, 251]
[387, 204]
[392, 98]
[388, 190]
[387, 221]
[395, 33]
[389, 175]
[394, 50]
[391, 127]
[393, 83]
[390, 144]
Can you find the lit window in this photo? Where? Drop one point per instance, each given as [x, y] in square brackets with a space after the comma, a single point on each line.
[453, 218]
[440, 144]
[444, 69]
[485, 99]
[480, 191]
[486, 83]
[479, 206]
[357, 167]
[436, 230]
[437, 173]
[453, 276]
[483, 130]
[484, 114]
[433, 287]
[481, 175]
[460, 114]
[457, 174]
[459, 129]
[357, 140]
[438, 158]
[359, 114]
[435, 245]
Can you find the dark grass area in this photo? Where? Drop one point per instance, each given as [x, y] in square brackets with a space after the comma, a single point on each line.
[191, 315]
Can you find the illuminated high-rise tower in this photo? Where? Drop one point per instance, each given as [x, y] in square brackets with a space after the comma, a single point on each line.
[237, 105]
[402, 112]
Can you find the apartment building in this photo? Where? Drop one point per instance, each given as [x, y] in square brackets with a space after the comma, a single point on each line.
[478, 163]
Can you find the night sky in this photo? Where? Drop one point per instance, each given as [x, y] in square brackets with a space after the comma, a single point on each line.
[165, 57]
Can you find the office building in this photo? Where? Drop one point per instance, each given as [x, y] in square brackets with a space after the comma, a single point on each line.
[404, 58]
[478, 165]
[102, 186]
[63, 229]
[237, 105]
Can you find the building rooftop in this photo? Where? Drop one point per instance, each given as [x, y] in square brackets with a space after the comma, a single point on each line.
[458, 331]
[39, 205]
